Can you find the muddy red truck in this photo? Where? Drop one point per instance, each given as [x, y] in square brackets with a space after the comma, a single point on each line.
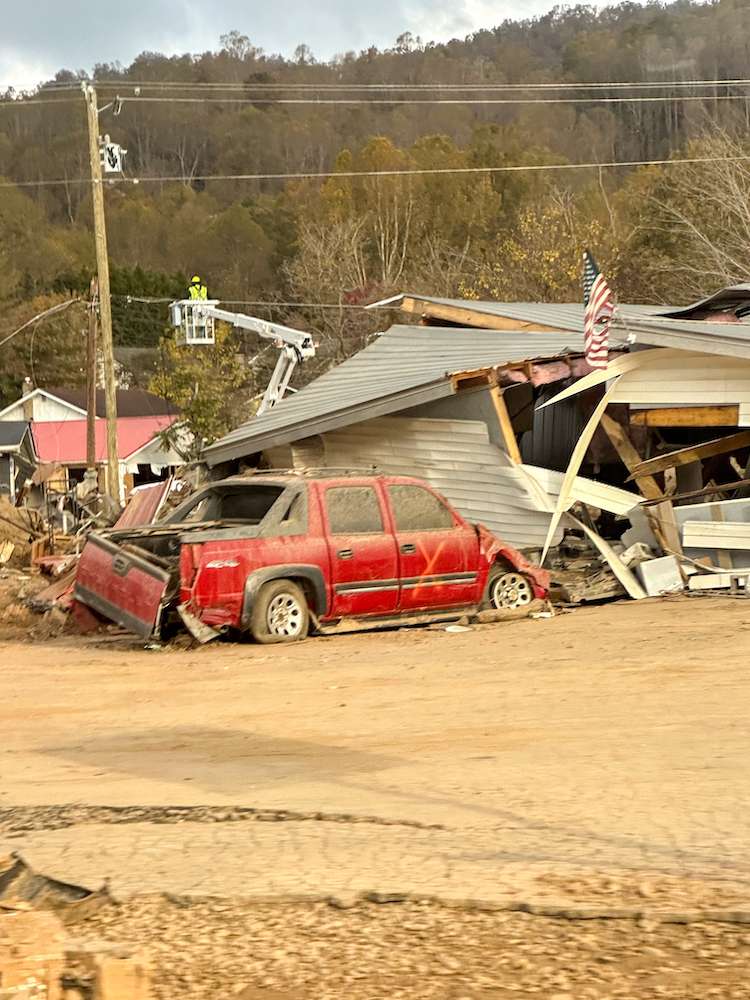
[278, 555]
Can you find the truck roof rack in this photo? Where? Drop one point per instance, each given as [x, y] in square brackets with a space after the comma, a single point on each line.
[321, 471]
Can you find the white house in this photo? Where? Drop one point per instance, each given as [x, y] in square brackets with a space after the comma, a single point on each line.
[39, 404]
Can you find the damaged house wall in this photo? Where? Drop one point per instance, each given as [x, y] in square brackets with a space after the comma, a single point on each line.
[716, 533]
[460, 460]
[477, 404]
[447, 405]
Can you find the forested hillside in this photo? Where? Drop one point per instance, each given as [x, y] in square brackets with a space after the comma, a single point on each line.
[663, 233]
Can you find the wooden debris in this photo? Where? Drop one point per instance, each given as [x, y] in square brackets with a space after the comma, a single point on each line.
[506, 427]
[662, 518]
[697, 494]
[665, 525]
[684, 456]
[618, 567]
[629, 456]
[687, 416]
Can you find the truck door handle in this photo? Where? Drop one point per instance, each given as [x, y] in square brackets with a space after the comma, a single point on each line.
[345, 553]
[408, 549]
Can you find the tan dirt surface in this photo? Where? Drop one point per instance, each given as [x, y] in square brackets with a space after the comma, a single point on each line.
[597, 759]
[218, 949]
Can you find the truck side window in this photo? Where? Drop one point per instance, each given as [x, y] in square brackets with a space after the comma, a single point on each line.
[353, 510]
[416, 509]
[294, 518]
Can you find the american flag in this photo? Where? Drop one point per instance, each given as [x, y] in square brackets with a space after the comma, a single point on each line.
[599, 305]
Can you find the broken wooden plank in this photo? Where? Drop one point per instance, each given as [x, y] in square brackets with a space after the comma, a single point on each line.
[697, 494]
[686, 416]
[667, 525]
[660, 518]
[629, 456]
[715, 535]
[684, 456]
[463, 316]
[506, 427]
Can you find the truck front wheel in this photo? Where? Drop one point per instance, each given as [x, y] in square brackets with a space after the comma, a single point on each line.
[507, 588]
[280, 613]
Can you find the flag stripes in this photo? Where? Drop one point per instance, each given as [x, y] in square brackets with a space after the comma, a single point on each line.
[599, 309]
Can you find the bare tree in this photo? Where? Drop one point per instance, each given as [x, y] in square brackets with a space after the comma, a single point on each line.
[699, 215]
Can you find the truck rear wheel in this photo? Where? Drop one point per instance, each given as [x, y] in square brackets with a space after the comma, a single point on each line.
[280, 613]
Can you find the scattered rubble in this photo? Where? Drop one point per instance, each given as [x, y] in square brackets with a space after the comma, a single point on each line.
[22, 888]
[39, 961]
[19, 529]
[211, 949]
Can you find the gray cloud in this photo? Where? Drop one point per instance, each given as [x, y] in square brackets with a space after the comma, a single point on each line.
[43, 36]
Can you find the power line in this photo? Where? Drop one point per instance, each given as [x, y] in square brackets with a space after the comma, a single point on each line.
[388, 101]
[24, 102]
[266, 303]
[417, 171]
[660, 99]
[60, 307]
[245, 88]
[340, 85]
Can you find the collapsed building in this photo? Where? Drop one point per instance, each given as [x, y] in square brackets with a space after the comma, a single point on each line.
[495, 406]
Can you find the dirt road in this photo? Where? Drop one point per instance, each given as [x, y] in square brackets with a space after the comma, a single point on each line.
[599, 758]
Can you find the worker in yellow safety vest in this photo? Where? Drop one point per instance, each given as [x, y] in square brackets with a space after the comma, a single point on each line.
[197, 290]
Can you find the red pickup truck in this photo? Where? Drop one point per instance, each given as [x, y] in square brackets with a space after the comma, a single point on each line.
[275, 554]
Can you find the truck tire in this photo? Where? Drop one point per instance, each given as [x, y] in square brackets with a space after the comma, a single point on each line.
[280, 613]
[507, 588]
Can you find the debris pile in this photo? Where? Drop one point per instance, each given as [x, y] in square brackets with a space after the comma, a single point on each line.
[38, 563]
[20, 528]
[37, 956]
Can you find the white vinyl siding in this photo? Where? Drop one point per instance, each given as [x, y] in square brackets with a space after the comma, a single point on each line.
[457, 458]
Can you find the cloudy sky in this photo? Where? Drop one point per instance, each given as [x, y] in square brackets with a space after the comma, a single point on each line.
[40, 37]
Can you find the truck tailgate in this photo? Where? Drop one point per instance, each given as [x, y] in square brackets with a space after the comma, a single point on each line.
[124, 586]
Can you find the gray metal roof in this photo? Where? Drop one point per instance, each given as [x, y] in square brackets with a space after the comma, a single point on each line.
[561, 315]
[12, 433]
[404, 367]
[732, 298]
[730, 340]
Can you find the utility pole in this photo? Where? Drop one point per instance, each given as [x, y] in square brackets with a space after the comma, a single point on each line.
[105, 304]
[91, 472]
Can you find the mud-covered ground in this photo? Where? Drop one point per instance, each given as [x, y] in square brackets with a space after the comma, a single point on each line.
[598, 758]
[217, 949]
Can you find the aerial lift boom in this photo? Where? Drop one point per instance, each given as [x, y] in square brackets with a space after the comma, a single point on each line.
[196, 317]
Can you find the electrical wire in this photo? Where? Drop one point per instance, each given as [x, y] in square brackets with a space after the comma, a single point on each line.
[510, 101]
[415, 172]
[26, 102]
[341, 85]
[266, 303]
[53, 310]
[388, 100]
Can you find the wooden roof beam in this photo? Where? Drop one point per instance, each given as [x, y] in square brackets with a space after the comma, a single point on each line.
[686, 416]
[463, 316]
